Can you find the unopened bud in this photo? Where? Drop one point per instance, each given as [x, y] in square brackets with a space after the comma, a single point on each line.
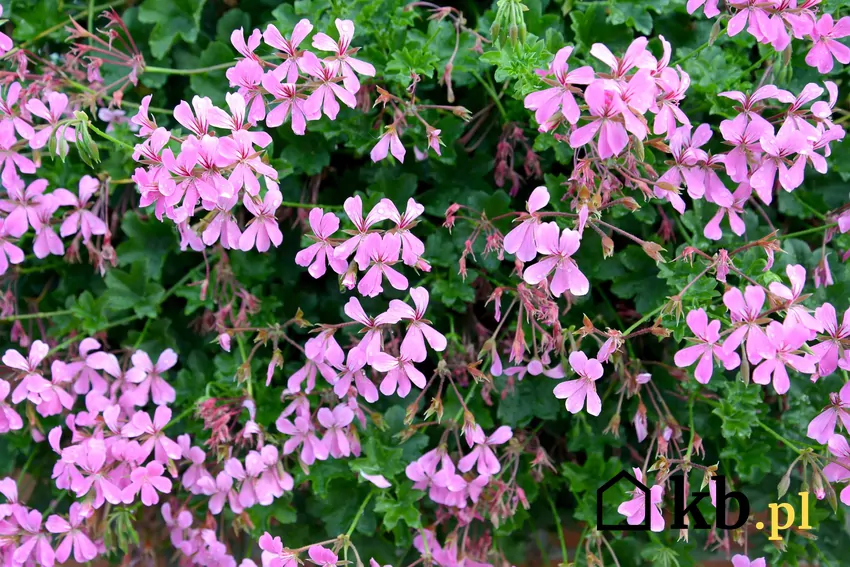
[630, 204]
[653, 250]
[410, 413]
[436, 408]
[607, 247]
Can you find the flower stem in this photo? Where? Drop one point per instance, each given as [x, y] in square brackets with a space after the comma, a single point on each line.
[198, 71]
[112, 139]
[808, 231]
[297, 205]
[360, 511]
[492, 92]
[40, 315]
[564, 554]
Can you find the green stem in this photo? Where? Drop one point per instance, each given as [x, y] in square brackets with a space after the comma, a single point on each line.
[198, 71]
[699, 49]
[360, 511]
[26, 466]
[103, 134]
[808, 231]
[297, 205]
[558, 526]
[182, 414]
[40, 315]
[691, 425]
[778, 436]
[91, 19]
[644, 319]
[492, 92]
[244, 356]
[466, 399]
[808, 207]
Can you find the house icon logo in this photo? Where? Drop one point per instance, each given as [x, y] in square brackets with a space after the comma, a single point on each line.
[600, 492]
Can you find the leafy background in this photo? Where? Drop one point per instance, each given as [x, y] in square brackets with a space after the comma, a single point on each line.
[145, 303]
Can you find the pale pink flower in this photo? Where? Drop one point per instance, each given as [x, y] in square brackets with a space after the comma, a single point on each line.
[321, 253]
[557, 253]
[288, 69]
[796, 312]
[785, 340]
[274, 554]
[148, 480]
[9, 253]
[148, 378]
[583, 388]
[291, 105]
[839, 471]
[205, 114]
[81, 219]
[32, 380]
[75, 538]
[57, 103]
[152, 432]
[388, 142]
[400, 373]
[145, 122]
[744, 561]
[634, 509]
[778, 149]
[412, 248]
[826, 34]
[739, 198]
[324, 98]
[822, 427]
[522, 240]
[383, 252]
[335, 422]
[710, 8]
[353, 373]
[302, 435]
[548, 102]
[263, 228]
[22, 205]
[482, 453]
[9, 418]
[342, 50]
[707, 336]
[754, 13]
[246, 48]
[34, 545]
[419, 330]
[750, 106]
[636, 56]
[828, 350]
[605, 105]
[378, 480]
[238, 149]
[745, 310]
[46, 240]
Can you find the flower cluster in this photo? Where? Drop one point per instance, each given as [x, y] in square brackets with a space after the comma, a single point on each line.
[218, 162]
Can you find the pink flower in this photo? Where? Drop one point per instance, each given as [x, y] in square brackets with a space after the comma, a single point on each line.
[353, 372]
[378, 480]
[288, 69]
[149, 481]
[383, 252]
[5, 41]
[482, 453]
[146, 123]
[413, 345]
[32, 380]
[321, 556]
[58, 103]
[744, 561]
[370, 343]
[81, 219]
[389, 141]
[342, 54]
[557, 256]
[522, 240]
[76, 538]
[636, 56]
[752, 11]
[778, 150]
[274, 554]
[301, 434]
[745, 309]
[34, 544]
[822, 427]
[583, 388]
[707, 334]
[323, 99]
[739, 198]
[291, 106]
[246, 49]
[23, 204]
[46, 240]
[153, 434]
[826, 34]
[263, 228]
[710, 9]
[335, 422]
[238, 149]
[411, 247]
[634, 509]
[750, 107]
[149, 380]
[400, 373]
[353, 207]
[744, 135]
[605, 104]
[9, 418]
[840, 470]
[785, 340]
[548, 102]
[827, 351]
[794, 311]
[318, 255]
[9, 253]
[206, 114]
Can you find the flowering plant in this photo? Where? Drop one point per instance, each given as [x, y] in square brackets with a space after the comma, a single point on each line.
[401, 283]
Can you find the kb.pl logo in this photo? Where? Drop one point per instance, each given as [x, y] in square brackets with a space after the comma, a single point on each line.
[686, 515]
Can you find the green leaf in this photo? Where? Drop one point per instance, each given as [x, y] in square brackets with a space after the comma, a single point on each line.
[148, 242]
[402, 508]
[172, 19]
[133, 290]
